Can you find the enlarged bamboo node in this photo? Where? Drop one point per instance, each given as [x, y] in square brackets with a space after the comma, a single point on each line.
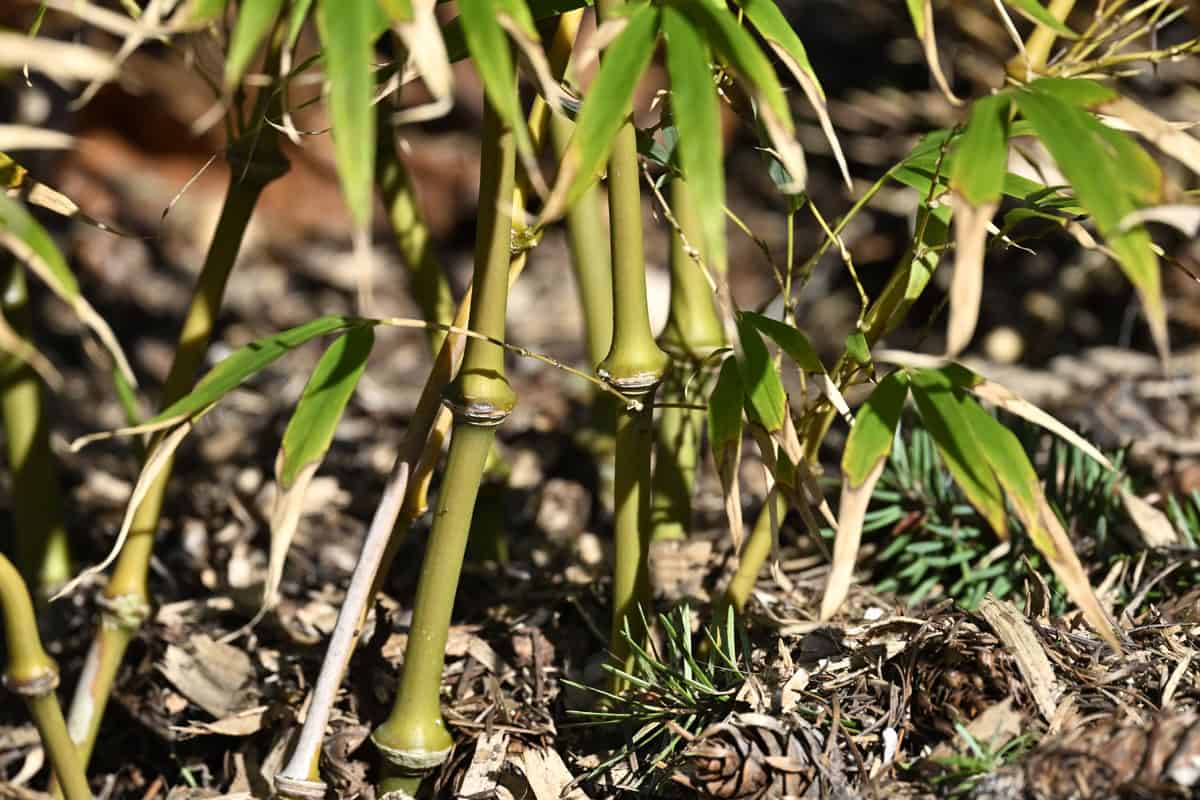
[37, 685]
[484, 415]
[635, 385]
[128, 611]
[299, 788]
[412, 760]
[523, 239]
[252, 161]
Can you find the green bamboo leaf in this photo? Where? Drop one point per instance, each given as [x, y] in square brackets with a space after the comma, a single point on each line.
[398, 10]
[738, 49]
[492, 56]
[765, 398]
[791, 340]
[940, 407]
[1107, 179]
[245, 362]
[698, 119]
[866, 453]
[307, 438]
[1036, 12]
[254, 21]
[981, 158]
[21, 235]
[1079, 92]
[456, 42]
[1016, 475]
[916, 12]
[201, 11]
[605, 108]
[725, 438]
[298, 12]
[773, 26]
[874, 429]
[348, 29]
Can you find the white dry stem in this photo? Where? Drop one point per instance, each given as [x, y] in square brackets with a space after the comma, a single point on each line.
[346, 631]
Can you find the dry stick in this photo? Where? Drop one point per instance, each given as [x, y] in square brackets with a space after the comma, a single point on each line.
[294, 779]
[43, 548]
[33, 675]
[255, 161]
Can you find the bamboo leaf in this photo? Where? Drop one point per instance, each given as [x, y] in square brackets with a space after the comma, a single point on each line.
[417, 25]
[966, 285]
[773, 26]
[764, 395]
[981, 157]
[606, 107]
[21, 234]
[863, 460]
[791, 340]
[232, 372]
[1172, 139]
[348, 29]
[492, 57]
[254, 21]
[17, 181]
[725, 439]
[698, 119]
[940, 407]
[201, 11]
[1036, 12]
[737, 48]
[1107, 179]
[1020, 482]
[306, 440]
[159, 460]
[921, 12]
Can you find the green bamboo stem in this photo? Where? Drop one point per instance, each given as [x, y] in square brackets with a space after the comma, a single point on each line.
[255, 161]
[43, 547]
[33, 675]
[634, 365]
[414, 738]
[693, 332]
[1037, 47]
[753, 556]
[428, 283]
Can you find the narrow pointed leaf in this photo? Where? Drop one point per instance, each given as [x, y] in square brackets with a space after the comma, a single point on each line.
[21, 235]
[243, 363]
[254, 21]
[307, 438]
[981, 156]
[493, 59]
[863, 460]
[1036, 12]
[698, 119]
[966, 285]
[348, 29]
[764, 395]
[1107, 179]
[791, 340]
[735, 46]
[417, 25]
[606, 106]
[940, 406]
[773, 26]
[725, 439]
[921, 12]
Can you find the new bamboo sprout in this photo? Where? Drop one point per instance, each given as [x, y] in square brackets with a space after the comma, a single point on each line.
[634, 365]
[43, 550]
[255, 160]
[693, 332]
[33, 675]
[414, 737]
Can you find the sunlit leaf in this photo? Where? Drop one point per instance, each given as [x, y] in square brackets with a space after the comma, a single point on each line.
[606, 107]
[308, 437]
[725, 439]
[763, 389]
[773, 26]
[791, 340]
[348, 30]
[21, 235]
[698, 119]
[863, 460]
[736, 47]
[981, 153]
[1106, 178]
[1036, 12]
[940, 406]
[254, 21]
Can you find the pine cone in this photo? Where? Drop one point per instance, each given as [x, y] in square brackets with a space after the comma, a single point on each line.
[1113, 759]
[750, 757]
